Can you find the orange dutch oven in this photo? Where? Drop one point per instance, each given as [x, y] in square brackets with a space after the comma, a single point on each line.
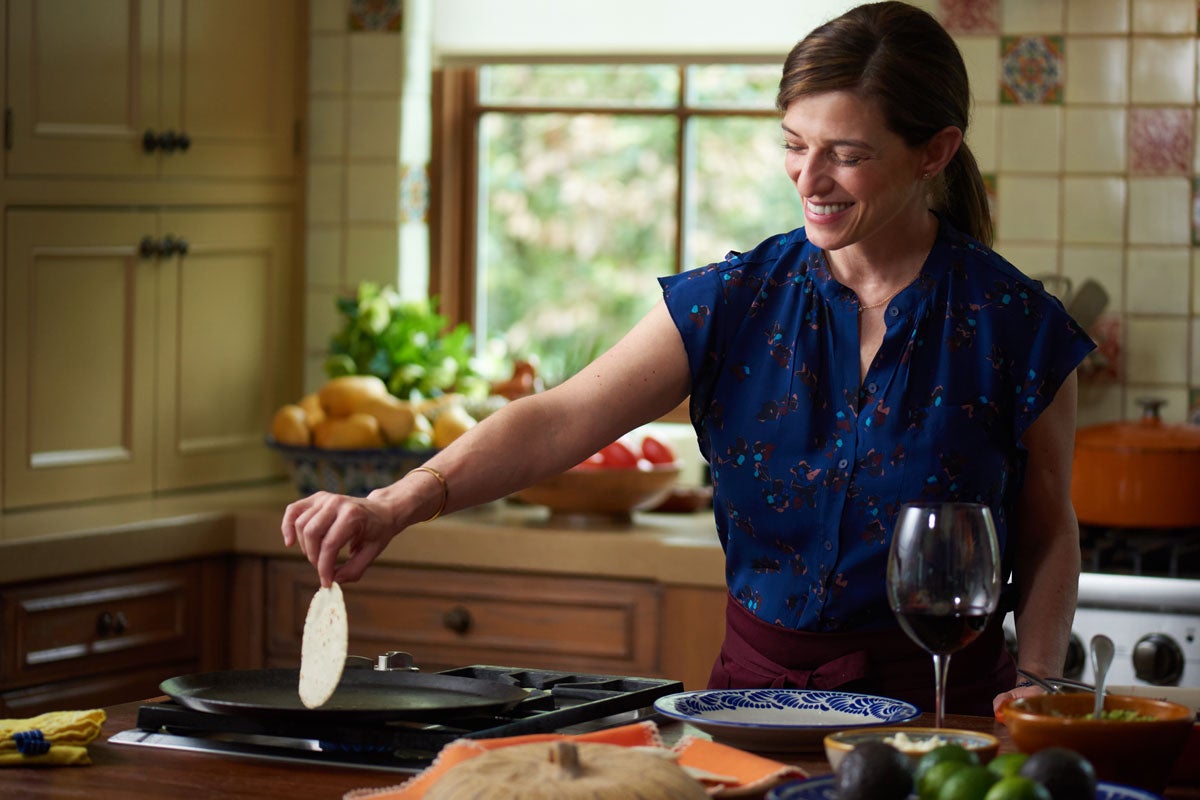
[1143, 474]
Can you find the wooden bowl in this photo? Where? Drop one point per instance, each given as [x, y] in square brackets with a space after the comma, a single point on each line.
[1140, 753]
[586, 497]
[984, 745]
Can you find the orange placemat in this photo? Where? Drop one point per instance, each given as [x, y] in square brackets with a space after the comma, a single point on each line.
[727, 771]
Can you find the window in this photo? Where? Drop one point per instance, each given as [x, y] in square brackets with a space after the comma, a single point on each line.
[563, 190]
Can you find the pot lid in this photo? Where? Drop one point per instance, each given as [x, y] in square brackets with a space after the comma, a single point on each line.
[1147, 433]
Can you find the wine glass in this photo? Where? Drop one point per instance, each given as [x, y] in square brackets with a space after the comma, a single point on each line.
[943, 579]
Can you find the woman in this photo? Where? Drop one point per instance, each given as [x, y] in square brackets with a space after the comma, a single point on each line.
[880, 354]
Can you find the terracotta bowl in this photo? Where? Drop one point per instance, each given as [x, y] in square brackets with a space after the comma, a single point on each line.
[837, 745]
[584, 497]
[1139, 753]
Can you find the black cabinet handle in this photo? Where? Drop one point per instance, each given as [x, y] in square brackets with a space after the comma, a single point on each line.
[457, 619]
[174, 246]
[149, 247]
[109, 623]
[168, 141]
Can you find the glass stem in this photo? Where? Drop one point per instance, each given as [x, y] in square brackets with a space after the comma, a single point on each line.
[941, 666]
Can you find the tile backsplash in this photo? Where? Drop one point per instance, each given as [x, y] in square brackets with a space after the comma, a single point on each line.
[1086, 124]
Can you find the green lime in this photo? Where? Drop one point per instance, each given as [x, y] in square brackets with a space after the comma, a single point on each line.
[947, 752]
[1017, 787]
[972, 782]
[931, 781]
[1007, 764]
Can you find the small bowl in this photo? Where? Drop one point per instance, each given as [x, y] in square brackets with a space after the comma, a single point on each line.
[584, 496]
[984, 745]
[1134, 753]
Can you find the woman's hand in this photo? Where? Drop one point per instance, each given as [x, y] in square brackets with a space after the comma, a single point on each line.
[1026, 690]
[324, 523]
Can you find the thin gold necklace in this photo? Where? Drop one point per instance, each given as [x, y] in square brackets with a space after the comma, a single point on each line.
[885, 300]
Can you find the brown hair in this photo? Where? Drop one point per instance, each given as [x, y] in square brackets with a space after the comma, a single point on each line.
[902, 58]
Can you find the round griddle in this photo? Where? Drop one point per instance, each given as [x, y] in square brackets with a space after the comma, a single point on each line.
[362, 694]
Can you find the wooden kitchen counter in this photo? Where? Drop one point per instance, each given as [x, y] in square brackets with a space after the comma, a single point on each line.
[48, 543]
[123, 771]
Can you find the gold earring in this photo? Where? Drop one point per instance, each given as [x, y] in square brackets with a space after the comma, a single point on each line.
[925, 176]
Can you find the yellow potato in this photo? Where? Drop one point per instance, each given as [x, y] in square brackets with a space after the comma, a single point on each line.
[290, 426]
[358, 431]
[397, 420]
[341, 397]
[313, 413]
[452, 422]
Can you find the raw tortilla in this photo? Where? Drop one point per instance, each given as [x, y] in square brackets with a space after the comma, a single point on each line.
[323, 648]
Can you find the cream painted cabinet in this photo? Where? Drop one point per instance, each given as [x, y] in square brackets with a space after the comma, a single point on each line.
[144, 350]
[152, 88]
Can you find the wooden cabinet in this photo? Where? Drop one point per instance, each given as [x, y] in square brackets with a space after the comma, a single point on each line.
[453, 618]
[115, 88]
[96, 640]
[145, 350]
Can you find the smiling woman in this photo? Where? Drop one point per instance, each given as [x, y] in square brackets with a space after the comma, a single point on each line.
[592, 180]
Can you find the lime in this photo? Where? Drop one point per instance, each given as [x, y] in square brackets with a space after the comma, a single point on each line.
[1017, 787]
[972, 782]
[947, 752]
[930, 783]
[1007, 764]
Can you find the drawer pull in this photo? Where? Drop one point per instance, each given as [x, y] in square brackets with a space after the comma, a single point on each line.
[457, 619]
[108, 623]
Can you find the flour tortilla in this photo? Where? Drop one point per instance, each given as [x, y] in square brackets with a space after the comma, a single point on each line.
[323, 648]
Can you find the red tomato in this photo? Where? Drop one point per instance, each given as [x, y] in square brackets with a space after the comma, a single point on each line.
[657, 452]
[591, 462]
[618, 456]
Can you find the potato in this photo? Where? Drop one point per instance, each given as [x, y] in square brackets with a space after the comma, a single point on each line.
[341, 397]
[311, 404]
[290, 426]
[397, 419]
[451, 422]
[358, 431]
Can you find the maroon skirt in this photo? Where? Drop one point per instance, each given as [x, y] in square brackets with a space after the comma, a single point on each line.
[758, 654]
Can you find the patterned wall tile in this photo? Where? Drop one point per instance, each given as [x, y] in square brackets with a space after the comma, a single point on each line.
[1160, 141]
[969, 16]
[1031, 69]
[376, 15]
[414, 192]
[1196, 212]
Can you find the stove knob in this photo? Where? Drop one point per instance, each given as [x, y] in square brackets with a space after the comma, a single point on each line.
[1158, 659]
[1076, 658]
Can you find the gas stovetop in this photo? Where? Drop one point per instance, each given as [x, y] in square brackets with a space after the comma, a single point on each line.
[565, 702]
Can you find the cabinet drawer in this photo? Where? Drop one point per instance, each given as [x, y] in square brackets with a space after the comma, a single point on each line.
[449, 618]
[79, 627]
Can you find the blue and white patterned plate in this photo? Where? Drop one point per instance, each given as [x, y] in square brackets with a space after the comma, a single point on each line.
[781, 720]
[824, 788]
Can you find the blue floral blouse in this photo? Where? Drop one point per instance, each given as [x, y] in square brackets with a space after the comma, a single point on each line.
[809, 465]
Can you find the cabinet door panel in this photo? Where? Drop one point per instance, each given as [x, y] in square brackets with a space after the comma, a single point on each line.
[222, 346]
[79, 316]
[84, 86]
[230, 82]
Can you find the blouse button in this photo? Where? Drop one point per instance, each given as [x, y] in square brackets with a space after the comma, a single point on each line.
[828, 545]
[872, 388]
[843, 463]
[893, 312]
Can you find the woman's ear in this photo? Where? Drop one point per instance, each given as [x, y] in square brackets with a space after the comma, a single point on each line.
[940, 149]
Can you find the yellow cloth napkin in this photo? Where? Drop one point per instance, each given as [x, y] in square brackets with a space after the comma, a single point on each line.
[727, 771]
[67, 733]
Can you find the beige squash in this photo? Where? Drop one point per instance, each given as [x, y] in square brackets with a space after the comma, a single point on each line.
[397, 419]
[313, 412]
[566, 770]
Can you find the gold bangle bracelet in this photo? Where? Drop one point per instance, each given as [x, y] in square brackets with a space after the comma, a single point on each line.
[445, 489]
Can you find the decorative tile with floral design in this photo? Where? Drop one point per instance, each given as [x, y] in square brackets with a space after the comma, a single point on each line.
[1160, 141]
[414, 192]
[1196, 211]
[376, 15]
[1031, 69]
[969, 16]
